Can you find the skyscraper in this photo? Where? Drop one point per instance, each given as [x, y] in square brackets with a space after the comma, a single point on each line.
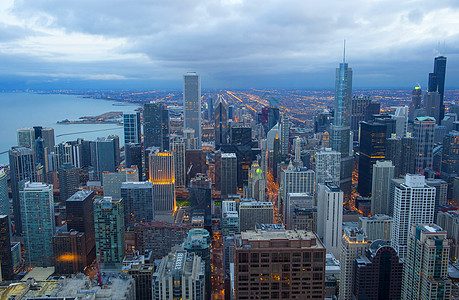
[383, 173]
[424, 134]
[408, 155]
[26, 138]
[37, 213]
[138, 202]
[156, 127]
[340, 131]
[276, 257]
[22, 166]
[414, 203]
[330, 217]
[299, 180]
[228, 174]
[425, 273]
[4, 199]
[450, 155]
[69, 181]
[378, 273]
[416, 97]
[221, 122]
[252, 213]
[354, 244]
[432, 105]
[133, 156]
[103, 156]
[109, 229]
[162, 175]
[372, 148]
[359, 109]
[6, 259]
[284, 135]
[132, 127]
[178, 150]
[192, 103]
[328, 163]
[437, 82]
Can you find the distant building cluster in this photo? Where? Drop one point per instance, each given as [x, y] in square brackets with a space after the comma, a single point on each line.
[220, 199]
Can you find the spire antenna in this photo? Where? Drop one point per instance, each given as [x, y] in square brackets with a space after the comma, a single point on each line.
[344, 52]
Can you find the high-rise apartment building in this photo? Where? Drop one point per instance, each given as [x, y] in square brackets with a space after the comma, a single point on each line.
[408, 156]
[221, 122]
[180, 275]
[372, 142]
[414, 203]
[228, 174]
[383, 173]
[378, 273]
[37, 214]
[162, 176]
[293, 203]
[22, 167]
[330, 216]
[449, 221]
[437, 82]
[424, 134]
[112, 183]
[328, 163]
[156, 126]
[425, 272]
[6, 258]
[178, 149]
[354, 245]
[286, 264]
[441, 191]
[132, 131]
[192, 103]
[109, 229]
[138, 202]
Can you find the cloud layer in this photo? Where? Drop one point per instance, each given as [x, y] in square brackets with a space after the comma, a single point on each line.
[232, 43]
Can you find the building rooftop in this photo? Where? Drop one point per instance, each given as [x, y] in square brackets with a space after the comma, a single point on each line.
[39, 274]
[377, 217]
[228, 155]
[253, 239]
[137, 185]
[269, 227]
[79, 196]
[430, 228]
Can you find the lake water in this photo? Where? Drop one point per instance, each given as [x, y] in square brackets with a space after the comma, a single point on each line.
[18, 110]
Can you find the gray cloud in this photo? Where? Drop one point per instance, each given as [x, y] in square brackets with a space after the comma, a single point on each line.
[159, 40]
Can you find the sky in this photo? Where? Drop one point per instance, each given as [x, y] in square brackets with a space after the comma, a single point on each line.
[283, 44]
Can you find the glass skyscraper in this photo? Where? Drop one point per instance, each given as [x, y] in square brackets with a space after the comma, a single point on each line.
[192, 103]
[437, 82]
[132, 128]
[37, 213]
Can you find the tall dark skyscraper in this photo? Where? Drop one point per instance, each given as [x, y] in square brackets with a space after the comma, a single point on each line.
[133, 156]
[378, 274]
[156, 126]
[6, 260]
[416, 98]
[22, 166]
[69, 180]
[221, 122]
[192, 103]
[372, 149]
[341, 128]
[437, 82]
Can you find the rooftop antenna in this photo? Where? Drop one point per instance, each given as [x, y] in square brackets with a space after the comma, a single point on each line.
[344, 52]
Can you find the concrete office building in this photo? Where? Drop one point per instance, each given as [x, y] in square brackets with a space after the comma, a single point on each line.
[288, 265]
[327, 167]
[252, 213]
[162, 176]
[377, 227]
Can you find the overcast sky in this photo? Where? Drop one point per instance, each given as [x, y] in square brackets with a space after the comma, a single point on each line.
[231, 43]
